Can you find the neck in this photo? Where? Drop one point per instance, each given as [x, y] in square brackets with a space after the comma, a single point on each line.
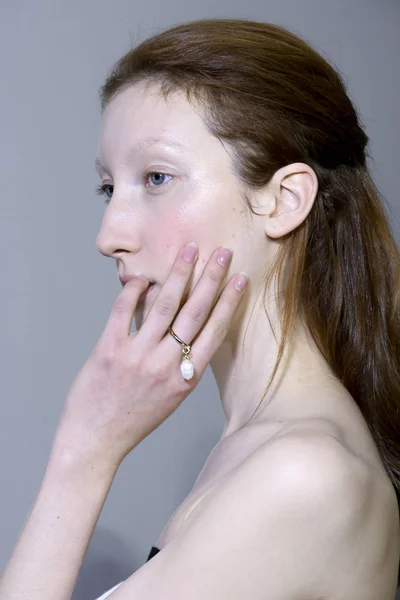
[244, 363]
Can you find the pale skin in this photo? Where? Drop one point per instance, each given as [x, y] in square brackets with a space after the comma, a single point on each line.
[131, 383]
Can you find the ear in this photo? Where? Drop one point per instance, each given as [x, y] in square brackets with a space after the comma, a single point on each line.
[292, 192]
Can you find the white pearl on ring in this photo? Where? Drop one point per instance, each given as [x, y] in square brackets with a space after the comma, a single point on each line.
[187, 368]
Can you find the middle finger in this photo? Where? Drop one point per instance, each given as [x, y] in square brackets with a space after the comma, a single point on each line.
[194, 314]
[167, 303]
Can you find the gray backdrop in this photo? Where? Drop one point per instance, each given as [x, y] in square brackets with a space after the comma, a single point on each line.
[57, 290]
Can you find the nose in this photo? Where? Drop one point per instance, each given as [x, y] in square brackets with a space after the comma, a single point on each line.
[117, 233]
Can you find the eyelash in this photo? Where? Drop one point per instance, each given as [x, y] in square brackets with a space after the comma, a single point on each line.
[101, 189]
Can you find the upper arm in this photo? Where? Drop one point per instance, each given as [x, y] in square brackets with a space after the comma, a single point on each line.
[265, 533]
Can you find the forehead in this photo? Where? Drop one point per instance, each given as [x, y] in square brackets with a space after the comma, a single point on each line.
[140, 114]
[141, 111]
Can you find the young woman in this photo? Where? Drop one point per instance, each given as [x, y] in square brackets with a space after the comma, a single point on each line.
[239, 136]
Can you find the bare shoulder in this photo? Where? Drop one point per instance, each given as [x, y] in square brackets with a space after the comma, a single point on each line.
[314, 464]
[349, 507]
[307, 468]
[320, 448]
[286, 523]
[305, 504]
[314, 457]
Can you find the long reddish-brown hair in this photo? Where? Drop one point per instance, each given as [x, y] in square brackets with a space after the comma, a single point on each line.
[277, 101]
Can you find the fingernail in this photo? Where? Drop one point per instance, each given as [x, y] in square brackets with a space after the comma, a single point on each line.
[224, 255]
[241, 281]
[190, 252]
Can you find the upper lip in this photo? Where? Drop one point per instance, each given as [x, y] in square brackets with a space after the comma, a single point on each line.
[126, 277]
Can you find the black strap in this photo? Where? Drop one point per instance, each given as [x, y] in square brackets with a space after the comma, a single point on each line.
[153, 552]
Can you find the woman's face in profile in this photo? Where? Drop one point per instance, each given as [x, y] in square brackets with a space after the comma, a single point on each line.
[167, 181]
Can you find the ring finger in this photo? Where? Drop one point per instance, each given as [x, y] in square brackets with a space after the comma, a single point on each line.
[193, 316]
[196, 317]
[195, 311]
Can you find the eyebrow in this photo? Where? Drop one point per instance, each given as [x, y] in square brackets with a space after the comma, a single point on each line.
[145, 143]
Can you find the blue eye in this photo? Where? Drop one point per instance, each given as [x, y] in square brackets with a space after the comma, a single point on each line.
[102, 190]
[150, 173]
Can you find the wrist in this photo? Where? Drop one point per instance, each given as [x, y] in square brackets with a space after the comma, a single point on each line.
[74, 454]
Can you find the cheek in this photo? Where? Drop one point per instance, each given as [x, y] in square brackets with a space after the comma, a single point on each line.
[198, 212]
[176, 227]
[167, 242]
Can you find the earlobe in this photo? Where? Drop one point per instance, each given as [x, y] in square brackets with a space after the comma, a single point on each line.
[297, 186]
